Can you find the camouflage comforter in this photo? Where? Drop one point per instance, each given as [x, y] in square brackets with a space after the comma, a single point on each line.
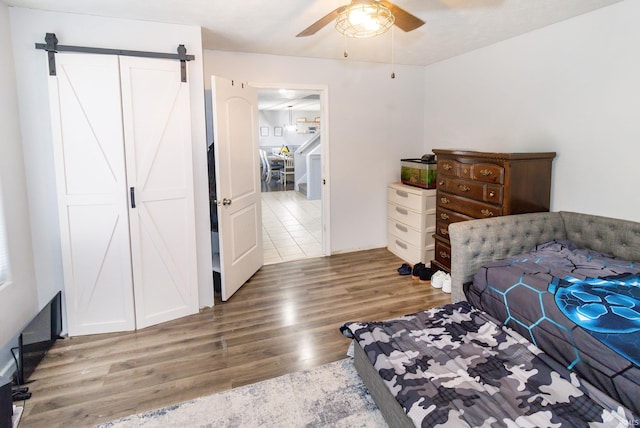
[456, 366]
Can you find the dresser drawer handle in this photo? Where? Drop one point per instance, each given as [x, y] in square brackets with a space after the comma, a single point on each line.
[402, 193]
[401, 244]
[447, 167]
[486, 172]
[441, 183]
[492, 194]
[487, 213]
[444, 216]
[445, 200]
[444, 231]
[401, 228]
[466, 171]
[444, 255]
[464, 188]
[402, 211]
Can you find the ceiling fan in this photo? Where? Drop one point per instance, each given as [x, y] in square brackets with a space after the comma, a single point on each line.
[385, 12]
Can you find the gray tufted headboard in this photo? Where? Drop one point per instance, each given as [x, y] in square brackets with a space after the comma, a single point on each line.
[620, 238]
[476, 242]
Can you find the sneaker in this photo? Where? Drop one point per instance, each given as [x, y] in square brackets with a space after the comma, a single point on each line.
[437, 279]
[426, 274]
[405, 269]
[417, 268]
[446, 284]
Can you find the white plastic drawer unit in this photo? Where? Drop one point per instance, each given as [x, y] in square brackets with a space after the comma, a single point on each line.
[410, 253]
[411, 198]
[411, 221]
[409, 234]
[414, 219]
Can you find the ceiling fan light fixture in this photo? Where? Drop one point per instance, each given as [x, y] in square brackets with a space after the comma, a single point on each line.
[364, 19]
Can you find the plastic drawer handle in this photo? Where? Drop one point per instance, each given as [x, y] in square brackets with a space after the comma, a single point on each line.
[402, 211]
[402, 193]
[401, 244]
[401, 227]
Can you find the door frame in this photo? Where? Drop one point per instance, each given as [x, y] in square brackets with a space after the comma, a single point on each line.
[325, 164]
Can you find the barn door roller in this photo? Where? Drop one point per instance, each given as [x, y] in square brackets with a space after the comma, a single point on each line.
[51, 46]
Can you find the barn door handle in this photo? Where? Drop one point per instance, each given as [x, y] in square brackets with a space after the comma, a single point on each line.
[132, 194]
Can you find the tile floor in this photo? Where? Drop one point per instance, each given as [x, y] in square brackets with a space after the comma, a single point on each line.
[291, 227]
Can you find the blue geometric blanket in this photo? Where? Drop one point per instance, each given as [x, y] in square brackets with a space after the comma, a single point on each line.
[579, 306]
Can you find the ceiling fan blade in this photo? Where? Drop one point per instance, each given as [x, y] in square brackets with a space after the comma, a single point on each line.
[404, 20]
[320, 23]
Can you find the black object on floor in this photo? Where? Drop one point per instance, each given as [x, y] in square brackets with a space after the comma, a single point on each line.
[6, 403]
[426, 274]
[405, 269]
[417, 268]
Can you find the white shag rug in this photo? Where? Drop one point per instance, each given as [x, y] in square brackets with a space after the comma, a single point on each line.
[331, 395]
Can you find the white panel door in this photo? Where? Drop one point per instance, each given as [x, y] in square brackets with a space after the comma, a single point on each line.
[235, 127]
[157, 133]
[92, 204]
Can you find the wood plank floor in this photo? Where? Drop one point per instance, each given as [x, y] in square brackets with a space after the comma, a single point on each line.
[284, 319]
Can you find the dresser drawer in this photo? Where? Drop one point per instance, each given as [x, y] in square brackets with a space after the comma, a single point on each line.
[411, 218]
[445, 217]
[467, 206]
[488, 172]
[413, 198]
[410, 253]
[472, 189]
[448, 167]
[443, 254]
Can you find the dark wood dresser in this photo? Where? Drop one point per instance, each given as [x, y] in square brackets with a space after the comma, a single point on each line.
[473, 185]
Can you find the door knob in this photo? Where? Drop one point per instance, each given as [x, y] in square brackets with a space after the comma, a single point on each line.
[225, 201]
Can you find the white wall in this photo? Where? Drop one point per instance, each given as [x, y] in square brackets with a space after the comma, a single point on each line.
[280, 118]
[18, 297]
[29, 27]
[373, 121]
[572, 88]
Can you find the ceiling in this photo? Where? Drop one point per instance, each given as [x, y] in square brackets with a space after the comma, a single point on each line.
[283, 99]
[452, 27]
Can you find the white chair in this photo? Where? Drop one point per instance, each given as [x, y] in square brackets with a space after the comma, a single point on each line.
[265, 163]
[268, 169]
[287, 169]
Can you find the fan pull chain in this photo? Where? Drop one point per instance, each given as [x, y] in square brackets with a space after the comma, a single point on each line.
[346, 52]
[393, 73]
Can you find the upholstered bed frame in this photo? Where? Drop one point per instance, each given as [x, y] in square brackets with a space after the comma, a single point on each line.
[476, 242]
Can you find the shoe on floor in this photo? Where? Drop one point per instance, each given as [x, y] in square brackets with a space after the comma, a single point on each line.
[405, 269]
[446, 283]
[417, 268]
[437, 279]
[426, 274]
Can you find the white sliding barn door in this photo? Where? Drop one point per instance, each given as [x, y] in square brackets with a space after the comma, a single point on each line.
[92, 204]
[122, 123]
[235, 127]
[157, 133]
